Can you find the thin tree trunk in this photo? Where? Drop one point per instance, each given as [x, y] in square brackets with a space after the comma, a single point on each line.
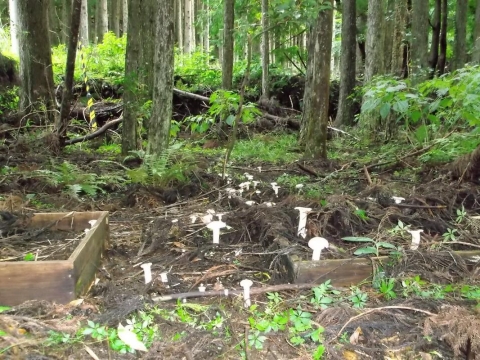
[66, 18]
[374, 61]
[36, 74]
[316, 115]
[53, 24]
[84, 24]
[62, 123]
[179, 24]
[419, 43]
[460, 44]
[399, 37]
[13, 11]
[389, 34]
[435, 23]
[102, 19]
[206, 39]
[148, 43]
[265, 50]
[476, 36]
[442, 56]
[124, 17]
[189, 33]
[159, 125]
[116, 14]
[347, 63]
[227, 63]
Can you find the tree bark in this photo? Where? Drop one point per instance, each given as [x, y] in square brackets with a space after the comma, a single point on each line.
[442, 56]
[84, 24]
[419, 43]
[189, 40]
[399, 37]
[149, 9]
[179, 24]
[206, 38]
[435, 23]
[389, 35]
[374, 60]
[102, 19]
[53, 24]
[316, 114]
[159, 126]
[124, 17]
[36, 74]
[265, 50]
[13, 11]
[460, 44]
[133, 67]
[476, 36]
[62, 123]
[347, 63]
[116, 14]
[227, 60]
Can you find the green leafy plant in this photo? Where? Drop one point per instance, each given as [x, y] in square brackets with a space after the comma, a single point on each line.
[29, 257]
[450, 235]
[400, 228]
[387, 288]
[375, 249]
[358, 298]
[461, 215]
[324, 295]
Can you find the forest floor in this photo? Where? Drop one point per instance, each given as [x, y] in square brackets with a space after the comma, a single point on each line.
[426, 307]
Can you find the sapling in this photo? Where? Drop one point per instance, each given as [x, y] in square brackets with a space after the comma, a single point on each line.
[147, 271]
[317, 244]
[302, 221]
[246, 284]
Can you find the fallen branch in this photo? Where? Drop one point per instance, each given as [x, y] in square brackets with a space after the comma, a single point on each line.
[96, 133]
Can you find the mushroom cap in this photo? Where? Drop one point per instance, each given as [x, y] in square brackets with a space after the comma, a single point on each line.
[246, 283]
[210, 211]
[299, 186]
[415, 231]
[146, 265]
[216, 225]
[318, 243]
[303, 209]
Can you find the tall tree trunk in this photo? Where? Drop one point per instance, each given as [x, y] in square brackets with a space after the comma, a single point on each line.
[316, 114]
[437, 16]
[227, 63]
[179, 26]
[36, 74]
[159, 126]
[132, 95]
[53, 24]
[102, 19]
[124, 17]
[347, 63]
[399, 37]
[206, 38]
[84, 24]
[442, 56]
[66, 18]
[265, 50]
[389, 34]
[419, 43]
[116, 11]
[62, 121]
[460, 47]
[14, 36]
[189, 32]
[148, 46]
[375, 60]
[476, 36]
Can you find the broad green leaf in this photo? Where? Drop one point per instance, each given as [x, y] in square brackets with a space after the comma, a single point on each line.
[230, 120]
[415, 115]
[384, 110]
[401, 106]
[366, 250]
[421, 133]
[386, 245]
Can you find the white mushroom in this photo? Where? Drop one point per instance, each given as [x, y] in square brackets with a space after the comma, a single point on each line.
[250, 202]
[299, 187]
[397, 199]
[147, 272]
[275, 189]
[415, 238]
[207, 219]
[215, 226]
[230, 192]
[317, 244]
[164, 277]
[269, 204]
[193, 218]
[92, 223]
[245, 185]
[259, 169]
[201, 288]
[302, 221]
[255, 183]
[273, 184]
[219, 216]
[246, 284]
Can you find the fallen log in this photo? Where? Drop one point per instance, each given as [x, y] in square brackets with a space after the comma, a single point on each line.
[96, 133]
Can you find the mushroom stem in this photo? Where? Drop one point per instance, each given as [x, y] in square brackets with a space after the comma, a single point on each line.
[246, 284]
[415, 238]
[147, 271]
[302, 221]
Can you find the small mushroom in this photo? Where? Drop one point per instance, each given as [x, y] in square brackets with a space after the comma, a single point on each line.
[201, 288]
[207, 219]
[147, 272]
[269, 204]
[215, 226]
[250, 202]
[245, 185]
[317, 244]
[193, 218]
[415, 238]
[92, 223]
[299, 187]
[246, 284]
[255, 183]
[275, 190]
[164, 277]
[302, 221]
[398, 199]
[219, 216]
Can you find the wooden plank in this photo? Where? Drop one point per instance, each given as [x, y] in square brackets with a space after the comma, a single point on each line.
[76, 221]
[42, 280]
[347, 272]
[87, 256]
